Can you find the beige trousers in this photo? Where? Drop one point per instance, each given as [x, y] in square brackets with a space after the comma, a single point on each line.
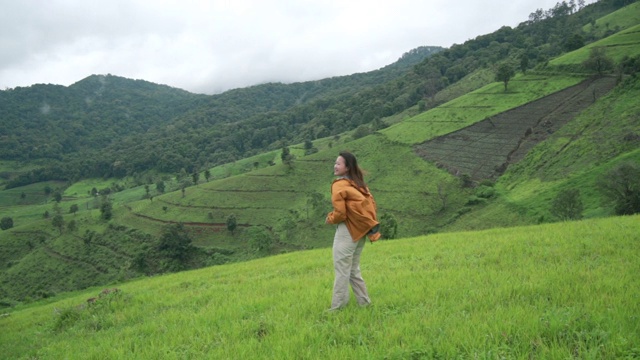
[346, 262]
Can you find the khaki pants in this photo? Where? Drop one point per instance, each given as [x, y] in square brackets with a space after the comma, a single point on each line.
[346, 262]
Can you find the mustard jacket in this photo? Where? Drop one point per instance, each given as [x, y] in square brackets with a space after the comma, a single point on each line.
[354, 206]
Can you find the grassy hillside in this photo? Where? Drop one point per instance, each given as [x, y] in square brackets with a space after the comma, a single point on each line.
[554, 291]
[42, 256]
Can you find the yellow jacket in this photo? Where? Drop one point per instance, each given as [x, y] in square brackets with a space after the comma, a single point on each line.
[355, 206]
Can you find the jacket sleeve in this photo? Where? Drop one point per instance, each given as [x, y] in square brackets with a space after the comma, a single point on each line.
[338, 200]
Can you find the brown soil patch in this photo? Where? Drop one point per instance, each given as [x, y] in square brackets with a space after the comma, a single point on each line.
[485, 149]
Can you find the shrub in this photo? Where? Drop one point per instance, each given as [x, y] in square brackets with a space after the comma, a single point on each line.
[106, 209]
[259, 239]
[485, 192]
[175, 244]
[466, 181]
[6, 223]
[476, 200]
[567, 205]
[621, 187]
[388, 226]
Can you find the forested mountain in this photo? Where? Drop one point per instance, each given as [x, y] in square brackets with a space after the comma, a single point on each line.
[107, 126]
[112, 126]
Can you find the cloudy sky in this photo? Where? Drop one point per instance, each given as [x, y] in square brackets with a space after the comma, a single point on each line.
[212, 46]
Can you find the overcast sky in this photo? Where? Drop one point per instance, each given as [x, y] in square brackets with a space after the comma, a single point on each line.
[212, 46]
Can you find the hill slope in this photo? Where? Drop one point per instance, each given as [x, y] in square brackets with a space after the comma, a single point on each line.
[551, 291]
[53, 249]
[485, 149]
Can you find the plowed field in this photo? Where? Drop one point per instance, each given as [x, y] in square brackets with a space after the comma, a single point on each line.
[485, 149]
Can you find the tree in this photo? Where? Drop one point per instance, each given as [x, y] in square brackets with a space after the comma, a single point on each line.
[175, 243]
[259, 239]
[57, 196]
[621, 187]
[287, 224]
[106, 209]
[315, 200]
[232, 223]
[72, 226]
[524, 63]
[47, 190]
[388, 226]
[567, 205]
[444, 189]
[504, 73]
[160, 186]
[361, 131]
[575, 41]
[598, 61]
[6, 223]
[286, 156]
[73, 209]
[196, 177]
[207, 174]
[58, 222]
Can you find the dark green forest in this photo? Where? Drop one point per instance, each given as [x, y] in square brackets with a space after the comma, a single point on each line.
[108, 126]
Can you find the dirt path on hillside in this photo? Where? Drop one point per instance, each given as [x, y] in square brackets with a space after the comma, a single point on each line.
[485, 149]
[215, 227]
[68, 259]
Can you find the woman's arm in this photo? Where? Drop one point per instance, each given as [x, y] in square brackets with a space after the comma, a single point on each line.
[338, 200]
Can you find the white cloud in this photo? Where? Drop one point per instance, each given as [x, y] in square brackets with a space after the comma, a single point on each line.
[211, 46]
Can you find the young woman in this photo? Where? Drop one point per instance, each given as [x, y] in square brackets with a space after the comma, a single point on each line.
[354, 212]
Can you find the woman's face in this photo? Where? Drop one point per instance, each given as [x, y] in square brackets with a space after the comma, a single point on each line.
[340, 168]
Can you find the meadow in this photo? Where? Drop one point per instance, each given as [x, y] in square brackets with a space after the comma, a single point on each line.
[553, 291]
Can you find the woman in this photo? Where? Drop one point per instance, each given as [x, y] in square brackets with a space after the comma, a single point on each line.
[354, 211]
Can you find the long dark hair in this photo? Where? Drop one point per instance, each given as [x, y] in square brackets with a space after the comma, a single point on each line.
[354, 172]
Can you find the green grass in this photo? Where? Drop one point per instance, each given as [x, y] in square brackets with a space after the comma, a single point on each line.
[271, 197]
[476, 106]
[618, 20]
[567, 290]
[624, 43]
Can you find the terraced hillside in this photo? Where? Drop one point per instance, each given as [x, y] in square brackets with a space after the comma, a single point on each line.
[485, 149]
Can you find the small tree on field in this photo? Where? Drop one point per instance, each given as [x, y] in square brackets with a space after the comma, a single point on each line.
[598, 61]
[196, 177]
[315, 200]
[72, 226]
[287, 157]
[73, 209]
[106, 209]
[388, 226]
[207, 174]
[175, 244]
[504, 73]
[524, 63]
[443, 195]
[259, 239]
[567, 205]
[160, 186]
[232, 223]
[58, 222]
[6, 223]
[621, 188]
